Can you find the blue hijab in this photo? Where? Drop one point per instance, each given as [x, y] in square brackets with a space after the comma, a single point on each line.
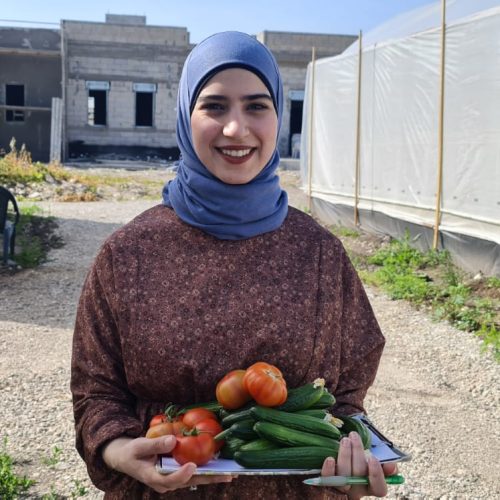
[226, 211]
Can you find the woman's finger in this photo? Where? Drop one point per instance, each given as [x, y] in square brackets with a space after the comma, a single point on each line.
[376, 476]
[344, 466]
[390, 469]
[358, 459]
[328, 468]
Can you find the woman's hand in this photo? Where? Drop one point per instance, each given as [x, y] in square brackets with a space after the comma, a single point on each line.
[137, 458]
[351, 461]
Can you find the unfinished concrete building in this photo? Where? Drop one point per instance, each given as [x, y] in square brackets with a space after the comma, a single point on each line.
[118, 84]
[30, 76]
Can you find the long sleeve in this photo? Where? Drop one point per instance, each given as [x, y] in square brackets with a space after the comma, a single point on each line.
[362, 343]
[103, 405]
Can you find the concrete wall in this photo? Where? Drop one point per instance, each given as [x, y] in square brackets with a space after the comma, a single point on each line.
[41, 76]
[122, 55]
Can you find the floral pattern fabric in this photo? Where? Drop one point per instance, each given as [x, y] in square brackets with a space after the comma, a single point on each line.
[167, 310]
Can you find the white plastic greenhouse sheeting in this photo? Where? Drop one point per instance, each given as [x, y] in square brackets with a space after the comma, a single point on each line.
[399, 129]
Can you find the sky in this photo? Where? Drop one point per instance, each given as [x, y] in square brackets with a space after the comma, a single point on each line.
[205, 17]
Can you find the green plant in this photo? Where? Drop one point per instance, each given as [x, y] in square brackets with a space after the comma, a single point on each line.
[490, 336]
[51, 495]
[53, 458]
[344, 232]
[35, 236]
[11, 485]
[79, 489]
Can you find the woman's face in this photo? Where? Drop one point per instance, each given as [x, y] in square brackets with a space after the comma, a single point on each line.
[234, 126]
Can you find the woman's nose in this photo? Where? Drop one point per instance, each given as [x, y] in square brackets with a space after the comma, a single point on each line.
[235, 125]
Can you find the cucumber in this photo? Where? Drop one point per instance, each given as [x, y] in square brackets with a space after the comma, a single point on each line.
[299, 457]
[210, 405]
[231, 446]
[303, 423]
[236, 416]
[314, 412]
[243, 429]
[285, 436]
[259, 445]
[353, 424]
[303, 397]
[327, 400]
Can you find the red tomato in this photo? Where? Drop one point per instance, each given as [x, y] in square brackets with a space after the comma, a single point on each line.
[166, 428]
[158, 419]
[231, 393]
[266, 384]
[211, 427]
[195, 415]
[198, 449]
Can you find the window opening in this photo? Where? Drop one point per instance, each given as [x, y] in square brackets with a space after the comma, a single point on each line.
[14, 96]
[144, 109]
[97, 107]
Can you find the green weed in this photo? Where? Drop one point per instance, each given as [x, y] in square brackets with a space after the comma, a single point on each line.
[53, 458]
[430, 279]
[11, 485]
[35, 236]
[79, 489]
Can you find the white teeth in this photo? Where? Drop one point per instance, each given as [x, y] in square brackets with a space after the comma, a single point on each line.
[236, 153]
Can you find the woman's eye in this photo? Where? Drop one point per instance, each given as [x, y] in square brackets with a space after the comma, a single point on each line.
[212, 106]
[258, 106]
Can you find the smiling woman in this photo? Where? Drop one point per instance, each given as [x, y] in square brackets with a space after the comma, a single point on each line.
[221, 276]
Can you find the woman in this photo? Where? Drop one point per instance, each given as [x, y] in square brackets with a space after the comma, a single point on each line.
[222, 275]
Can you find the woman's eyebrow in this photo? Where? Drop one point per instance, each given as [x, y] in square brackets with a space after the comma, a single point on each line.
[217, 97]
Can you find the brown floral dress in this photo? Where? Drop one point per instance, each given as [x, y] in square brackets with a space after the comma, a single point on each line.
[166, 310]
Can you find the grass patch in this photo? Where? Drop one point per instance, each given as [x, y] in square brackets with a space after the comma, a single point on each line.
[35, 236]
[429, 279]
[11, 485]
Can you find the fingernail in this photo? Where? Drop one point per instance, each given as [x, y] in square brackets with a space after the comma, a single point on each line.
[354, 436]
[372, 460]
[345, 442]
[330, 461]
[169, 440]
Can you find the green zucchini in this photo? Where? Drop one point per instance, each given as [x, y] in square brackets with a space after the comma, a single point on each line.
[299, 457]
[231, 446]
[351, 424]
[285, 436]
[236, 416]
[210, 405]
[303, 397]
[259, 445]
[320, 413]
[299, 422]
[244, 429]
[327, 400]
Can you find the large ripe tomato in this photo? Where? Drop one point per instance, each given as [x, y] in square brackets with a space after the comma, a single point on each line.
[195, 415]
[213, 428]
[231, 392]
[166, 428]
[196, 448]
[158, 419]
[266, 384]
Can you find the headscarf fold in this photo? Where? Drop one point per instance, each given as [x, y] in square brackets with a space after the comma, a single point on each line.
[226, 211]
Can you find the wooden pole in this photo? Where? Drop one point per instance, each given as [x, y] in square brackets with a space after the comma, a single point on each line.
[358, 134]
[441, 128]
[310, 138]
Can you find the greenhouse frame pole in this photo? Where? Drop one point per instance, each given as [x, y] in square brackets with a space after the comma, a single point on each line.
[358, 134]
[441, 128]
[310, 138]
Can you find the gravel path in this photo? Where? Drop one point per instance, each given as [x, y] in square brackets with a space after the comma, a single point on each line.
[436, 395]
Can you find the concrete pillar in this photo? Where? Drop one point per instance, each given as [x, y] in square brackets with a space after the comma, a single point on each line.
[56, 130]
